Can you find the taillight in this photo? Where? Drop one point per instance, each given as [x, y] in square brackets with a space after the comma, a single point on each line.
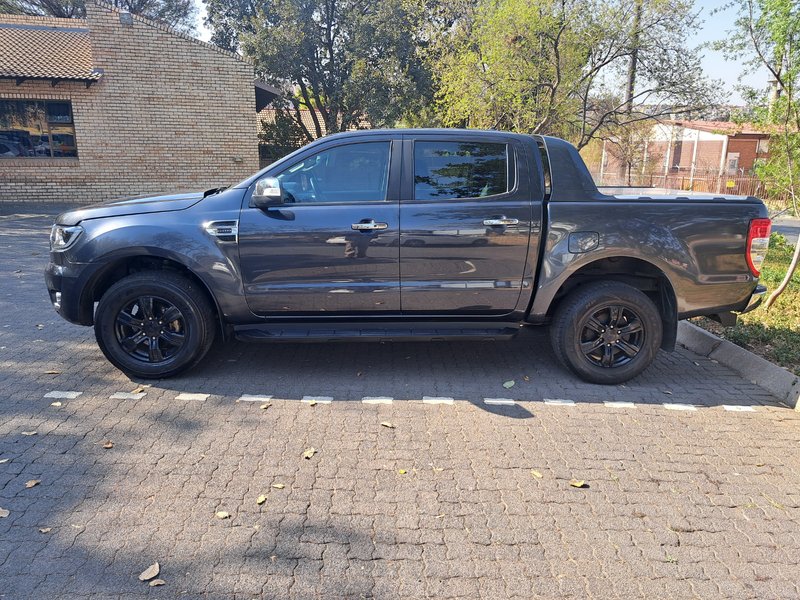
[757, 243]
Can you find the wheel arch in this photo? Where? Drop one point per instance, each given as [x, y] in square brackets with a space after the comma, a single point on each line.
[121, 267]
[636, 272]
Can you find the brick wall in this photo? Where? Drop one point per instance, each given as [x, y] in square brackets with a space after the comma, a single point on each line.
[171, 113]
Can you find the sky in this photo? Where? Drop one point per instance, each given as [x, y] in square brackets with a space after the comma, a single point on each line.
[713, 28]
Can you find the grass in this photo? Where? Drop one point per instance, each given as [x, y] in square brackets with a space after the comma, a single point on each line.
[772, 334]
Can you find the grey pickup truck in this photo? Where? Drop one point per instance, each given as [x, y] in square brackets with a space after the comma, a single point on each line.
[404, 235]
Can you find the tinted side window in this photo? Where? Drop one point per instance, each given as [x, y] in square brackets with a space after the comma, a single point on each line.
[349, 173]
[459, 170]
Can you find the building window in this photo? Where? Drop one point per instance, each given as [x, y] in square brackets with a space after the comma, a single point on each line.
[36, 129]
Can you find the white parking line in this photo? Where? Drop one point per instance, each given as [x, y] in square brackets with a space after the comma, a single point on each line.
[619, 404]
[317, 399]
[679, 406]
[57, 394]
[185, 396]
[127, 396]
[739, 408]
[559, 402]
[436, 400]
[376, 400]
[506, 401]
[250, 398]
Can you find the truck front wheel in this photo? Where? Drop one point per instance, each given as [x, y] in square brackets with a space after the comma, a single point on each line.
[154, 324]
[606, 332]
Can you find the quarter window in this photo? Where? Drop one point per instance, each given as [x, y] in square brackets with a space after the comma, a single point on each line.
[349, 173]
[36, 129]
[445, 170]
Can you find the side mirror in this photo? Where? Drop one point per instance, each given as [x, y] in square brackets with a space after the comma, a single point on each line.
[268, 192]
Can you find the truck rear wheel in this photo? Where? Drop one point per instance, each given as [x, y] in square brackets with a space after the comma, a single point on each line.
[154, 324]
[606, 332]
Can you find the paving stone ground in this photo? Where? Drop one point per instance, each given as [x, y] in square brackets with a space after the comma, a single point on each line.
[676, 504]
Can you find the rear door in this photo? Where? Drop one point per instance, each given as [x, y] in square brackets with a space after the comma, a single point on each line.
[465, 215]
[332, 249]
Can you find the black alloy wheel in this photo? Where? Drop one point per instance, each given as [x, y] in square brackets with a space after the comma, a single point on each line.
[606, 332]
[154, 324]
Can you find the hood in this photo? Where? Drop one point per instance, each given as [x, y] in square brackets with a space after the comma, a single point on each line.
[134, 205]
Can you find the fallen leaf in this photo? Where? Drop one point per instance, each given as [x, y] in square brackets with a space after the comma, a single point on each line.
[28, 433]
[759, 464]
[577, 484]
[55, 404]
[358, 375]
[222, 515]
[156, 582]
[387, 424]
[278, 486]
[108, 444]
[45, 530]
[272, 558]
[439, 517]
[527, 378]
[138, 390]
[312, 403]
[149, 572]
[18, 271]
[696, 363]
[261, 499]
[509, 384]
[438, 469]
[402, 471]
[52, 373]
[3, 461]
[40, 326]
[309, 452]
[33, 482]
[266, 406]
[536, 474]
[4, 513]
[670, 393]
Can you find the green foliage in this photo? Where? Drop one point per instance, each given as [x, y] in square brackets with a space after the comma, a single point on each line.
[178, 14]
[562, 67]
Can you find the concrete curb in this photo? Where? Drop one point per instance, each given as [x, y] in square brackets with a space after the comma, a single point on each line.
[777, 381]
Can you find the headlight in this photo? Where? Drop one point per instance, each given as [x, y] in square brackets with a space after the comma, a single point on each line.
[62, 237]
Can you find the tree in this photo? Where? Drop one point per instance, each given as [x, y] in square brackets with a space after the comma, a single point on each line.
[574, 68]
[354, 62]
[767, 33]
[178, 14]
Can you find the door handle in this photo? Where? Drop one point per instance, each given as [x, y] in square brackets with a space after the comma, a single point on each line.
[368, 225]
[501, 221]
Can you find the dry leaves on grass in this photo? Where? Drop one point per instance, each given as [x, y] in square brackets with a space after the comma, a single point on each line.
[309, 452]
[150, 572]
[32, 483]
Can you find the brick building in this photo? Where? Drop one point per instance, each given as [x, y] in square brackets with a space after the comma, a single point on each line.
[685, 150]
[118, 105]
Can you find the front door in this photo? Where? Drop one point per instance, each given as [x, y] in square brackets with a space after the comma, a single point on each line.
[465, 214]
[332, 248]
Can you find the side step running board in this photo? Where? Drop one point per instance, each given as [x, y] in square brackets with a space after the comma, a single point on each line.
[356, 332]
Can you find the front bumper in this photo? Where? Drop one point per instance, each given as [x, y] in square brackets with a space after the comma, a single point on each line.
[755, 299]
[65, 285]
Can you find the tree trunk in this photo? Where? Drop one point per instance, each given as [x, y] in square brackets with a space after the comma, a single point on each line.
[785, 283]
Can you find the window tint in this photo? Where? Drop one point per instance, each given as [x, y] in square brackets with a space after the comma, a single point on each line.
[351, 173]
[37, 129]
[459, 170]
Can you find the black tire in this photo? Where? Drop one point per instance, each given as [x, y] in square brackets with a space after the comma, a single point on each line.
[606, 332]
[154, 324]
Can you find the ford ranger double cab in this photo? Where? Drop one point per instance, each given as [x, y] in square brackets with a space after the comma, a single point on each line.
[403, 235]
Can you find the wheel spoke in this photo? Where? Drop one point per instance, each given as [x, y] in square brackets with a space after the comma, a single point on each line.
[608, 356]
[634, 326]
[175, 339]
[595, 325]
[614, 313]
[170, 315]
[128, 320]
[154, 351]
[146, 304]
[589, 347]
[630, 349]
[130, 343]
